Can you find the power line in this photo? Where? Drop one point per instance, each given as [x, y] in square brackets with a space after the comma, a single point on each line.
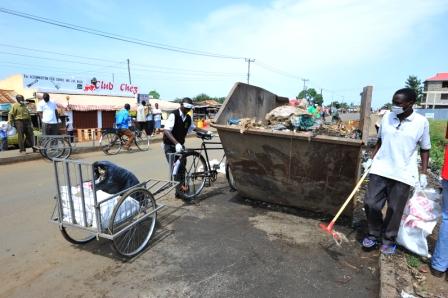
[116, 36]
[146, 66]
[55, 53]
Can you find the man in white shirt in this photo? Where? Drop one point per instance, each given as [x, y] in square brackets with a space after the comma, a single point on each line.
[48, 114]
[393, 170]
[142, 111]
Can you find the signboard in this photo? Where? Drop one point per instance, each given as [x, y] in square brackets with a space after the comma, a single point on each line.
[76, 85]
[429, 115]
[142, 97]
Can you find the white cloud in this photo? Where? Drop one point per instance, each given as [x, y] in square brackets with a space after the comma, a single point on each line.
[310, 37]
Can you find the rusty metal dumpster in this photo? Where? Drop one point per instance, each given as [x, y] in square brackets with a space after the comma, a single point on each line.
[290, 168]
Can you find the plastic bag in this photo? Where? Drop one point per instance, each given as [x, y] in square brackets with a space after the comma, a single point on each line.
[419, 219]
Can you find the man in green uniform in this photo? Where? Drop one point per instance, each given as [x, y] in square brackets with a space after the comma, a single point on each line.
[19, 117]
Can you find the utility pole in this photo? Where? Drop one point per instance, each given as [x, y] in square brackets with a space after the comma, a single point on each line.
[129, 73]
[304, 87]
[248, 60]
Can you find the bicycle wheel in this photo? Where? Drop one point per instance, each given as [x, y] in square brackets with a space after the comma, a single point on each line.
[54, 148]
[110, 143]
[134, 217]
[42, 150]
[67, 149]
[76, 236]
[142, 140]
[191, 172]
[229, 177]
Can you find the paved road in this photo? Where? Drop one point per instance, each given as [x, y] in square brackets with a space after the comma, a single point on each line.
[224, 246]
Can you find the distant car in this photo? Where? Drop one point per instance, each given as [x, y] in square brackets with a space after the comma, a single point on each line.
[13, 141]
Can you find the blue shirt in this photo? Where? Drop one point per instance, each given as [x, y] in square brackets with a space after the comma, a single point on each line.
[122, 119]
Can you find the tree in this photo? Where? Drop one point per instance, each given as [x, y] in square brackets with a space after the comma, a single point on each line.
[311, 95]
[414, 83]
[154, 94]
[201, 97]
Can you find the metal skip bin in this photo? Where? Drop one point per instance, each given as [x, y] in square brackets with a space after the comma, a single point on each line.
[296, 169]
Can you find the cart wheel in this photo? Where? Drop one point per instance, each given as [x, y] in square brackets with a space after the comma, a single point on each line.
[54, 148]
[229, 176]
[67, 149]
[110, 143]
[134, 218]
[76, 236]
[142, 141]
[191, 175]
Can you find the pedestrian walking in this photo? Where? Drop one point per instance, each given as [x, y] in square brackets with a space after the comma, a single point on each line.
[48, 114]
[19, 117]
[69, 128]
[157, 114]
[150, 121]
[393, 169]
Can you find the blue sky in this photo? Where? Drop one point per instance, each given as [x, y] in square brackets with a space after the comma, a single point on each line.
[339, 45]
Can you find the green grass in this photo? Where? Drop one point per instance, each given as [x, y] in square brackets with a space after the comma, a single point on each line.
[413, 261]
[437, 129]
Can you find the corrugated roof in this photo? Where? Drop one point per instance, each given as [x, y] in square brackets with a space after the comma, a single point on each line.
[441, 76]
[7, 96]
[88, 102]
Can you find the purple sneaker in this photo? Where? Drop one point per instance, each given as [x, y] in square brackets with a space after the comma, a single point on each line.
[369, 243]
[388, 249]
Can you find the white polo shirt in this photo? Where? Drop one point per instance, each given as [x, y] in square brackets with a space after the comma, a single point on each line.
[48, 111]
[396, 158]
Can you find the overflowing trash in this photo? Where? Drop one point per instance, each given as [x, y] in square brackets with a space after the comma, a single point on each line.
[297, 117]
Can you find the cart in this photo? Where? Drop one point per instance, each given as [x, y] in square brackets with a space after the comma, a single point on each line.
[83, 213]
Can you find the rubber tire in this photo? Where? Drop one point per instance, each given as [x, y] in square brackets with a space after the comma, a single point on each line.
[148, 234]
[107, 139]
[72, 239]
[188, 156]
[142, 141]
[67, 149]
[229, 177]
[49, 152]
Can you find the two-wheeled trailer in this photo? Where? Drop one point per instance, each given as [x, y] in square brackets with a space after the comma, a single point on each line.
[83, 213]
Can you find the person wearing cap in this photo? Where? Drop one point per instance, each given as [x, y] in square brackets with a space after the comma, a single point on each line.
[122, 120]
[178, 124]
[19, 117]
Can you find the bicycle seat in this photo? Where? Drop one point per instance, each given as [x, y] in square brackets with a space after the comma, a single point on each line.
[204, 136]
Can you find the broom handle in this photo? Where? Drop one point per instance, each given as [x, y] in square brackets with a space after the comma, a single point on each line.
[350, 197]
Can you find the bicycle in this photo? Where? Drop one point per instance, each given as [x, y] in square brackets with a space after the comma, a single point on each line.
[112, 140]
[193, 171]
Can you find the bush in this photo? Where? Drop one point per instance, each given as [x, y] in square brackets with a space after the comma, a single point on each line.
[437, 129]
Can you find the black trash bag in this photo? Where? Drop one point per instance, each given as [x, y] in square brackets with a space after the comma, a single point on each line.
[111, 178]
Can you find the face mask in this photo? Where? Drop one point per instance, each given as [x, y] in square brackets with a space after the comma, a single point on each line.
[397, 110]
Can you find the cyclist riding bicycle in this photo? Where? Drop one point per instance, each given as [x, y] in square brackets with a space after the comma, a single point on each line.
[178, 124]
[122, 120]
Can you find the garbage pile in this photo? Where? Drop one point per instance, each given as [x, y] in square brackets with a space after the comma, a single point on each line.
[299, 118]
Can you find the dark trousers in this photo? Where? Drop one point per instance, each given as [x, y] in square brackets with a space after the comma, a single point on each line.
[50, 129]
[142, 126]
[150, 127]
[24, 134]
[379, 191]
